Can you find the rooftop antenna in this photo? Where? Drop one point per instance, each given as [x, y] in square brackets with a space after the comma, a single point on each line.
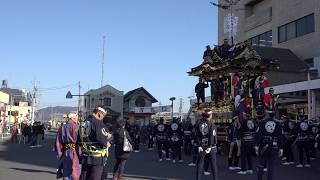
[229, 5]
[102, 64]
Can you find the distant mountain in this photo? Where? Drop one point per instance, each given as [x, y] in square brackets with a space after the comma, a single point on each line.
[48, 113]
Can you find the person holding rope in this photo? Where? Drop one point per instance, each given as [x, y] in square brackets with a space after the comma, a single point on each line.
[95, 139]
[68, 150]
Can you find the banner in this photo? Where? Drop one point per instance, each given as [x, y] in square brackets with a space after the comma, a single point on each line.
[152, 109]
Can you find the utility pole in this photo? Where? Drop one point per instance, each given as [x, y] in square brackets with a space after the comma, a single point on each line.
[34, 101]
[228, 5]
[102, 64]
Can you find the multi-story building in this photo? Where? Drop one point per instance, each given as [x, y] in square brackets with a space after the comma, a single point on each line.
[287, 31]
[108, 97]
[289, 24]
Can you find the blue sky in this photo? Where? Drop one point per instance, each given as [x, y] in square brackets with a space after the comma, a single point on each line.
[148, 43]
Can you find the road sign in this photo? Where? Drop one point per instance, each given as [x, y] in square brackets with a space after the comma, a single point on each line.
[69, 95]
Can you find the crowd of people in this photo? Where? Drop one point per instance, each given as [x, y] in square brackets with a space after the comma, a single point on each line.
[27, 133]
[264, 137]
[83, 149]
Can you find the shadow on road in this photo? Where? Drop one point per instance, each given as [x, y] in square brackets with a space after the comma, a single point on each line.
[33, 170]
[22, 153]
[143, 165]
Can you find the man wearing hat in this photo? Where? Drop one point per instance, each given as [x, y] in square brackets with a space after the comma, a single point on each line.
[67, 147]
[247, 136]
[95, 139]
[206, 136]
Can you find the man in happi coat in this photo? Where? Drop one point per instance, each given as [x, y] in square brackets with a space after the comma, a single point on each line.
[68, 149]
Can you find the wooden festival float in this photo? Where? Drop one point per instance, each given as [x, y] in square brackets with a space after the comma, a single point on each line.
[227, 69]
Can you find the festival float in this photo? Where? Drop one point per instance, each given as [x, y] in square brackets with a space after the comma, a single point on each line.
[236, 74]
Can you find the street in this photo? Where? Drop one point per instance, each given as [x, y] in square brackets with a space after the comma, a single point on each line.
[18, 161]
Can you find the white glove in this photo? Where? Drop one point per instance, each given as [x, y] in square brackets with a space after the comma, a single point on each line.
[256, 148]
[200, 149]
[280, 152]
[208, 150]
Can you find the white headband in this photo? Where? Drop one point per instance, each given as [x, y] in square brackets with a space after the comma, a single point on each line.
[102, 110]
[72, 115]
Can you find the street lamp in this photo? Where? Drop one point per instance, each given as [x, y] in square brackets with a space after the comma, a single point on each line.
[172, 99]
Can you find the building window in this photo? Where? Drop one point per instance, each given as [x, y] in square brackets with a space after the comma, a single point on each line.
[291, 31]
[282, 34]
[264, 39]
[296, 28]
[140, 102]
[107, 102]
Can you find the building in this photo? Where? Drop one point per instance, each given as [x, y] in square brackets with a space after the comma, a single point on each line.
[4, 101]
[289, 24]
[107, 96]
[18, 106]
[136, 103]
[287, 31]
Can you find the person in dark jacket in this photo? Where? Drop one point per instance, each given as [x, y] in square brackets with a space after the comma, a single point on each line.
[200, 91]
[95, 138]
[234, 144]
[247, 136]
[268, 145]
[303, 131]
[121, 155]
[289, 138]
[206, 136]
[150, 134]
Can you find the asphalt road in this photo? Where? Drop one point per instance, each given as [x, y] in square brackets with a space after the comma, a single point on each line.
[20, 162]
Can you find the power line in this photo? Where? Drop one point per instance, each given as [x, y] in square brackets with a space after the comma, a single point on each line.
[49, 88]
[58, 87]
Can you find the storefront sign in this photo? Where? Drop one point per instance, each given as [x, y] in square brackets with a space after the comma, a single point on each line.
[152, 109]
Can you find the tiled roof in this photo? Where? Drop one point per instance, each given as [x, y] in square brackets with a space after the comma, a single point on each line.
[128, 94]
